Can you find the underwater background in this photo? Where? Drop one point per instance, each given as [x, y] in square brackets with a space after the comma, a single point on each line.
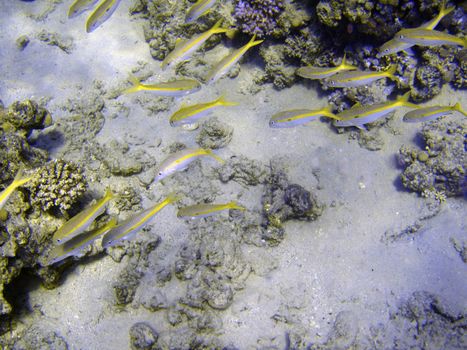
[238, 174]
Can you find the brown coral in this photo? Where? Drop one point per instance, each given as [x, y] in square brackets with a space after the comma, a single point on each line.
[58, 185]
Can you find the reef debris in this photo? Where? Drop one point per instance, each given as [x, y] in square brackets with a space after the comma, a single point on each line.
[439, 169]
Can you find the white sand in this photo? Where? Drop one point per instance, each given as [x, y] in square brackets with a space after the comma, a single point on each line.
[321, 268]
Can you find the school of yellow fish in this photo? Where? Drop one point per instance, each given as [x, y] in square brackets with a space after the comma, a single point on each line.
[75, 236]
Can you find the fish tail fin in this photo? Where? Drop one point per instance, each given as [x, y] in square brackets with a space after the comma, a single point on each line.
[110, 224]
[327, 112]
[404, 101]
[216, 28]
[173, 197]
[444, 11]
[223, 102]
[230, 33]
[391, 71]
[235, 205]
[457, 107]
[254, 42]
[217, 24]
[136, 85]
[346, 65]
[108, 195]
[215, 156]
[20, 178]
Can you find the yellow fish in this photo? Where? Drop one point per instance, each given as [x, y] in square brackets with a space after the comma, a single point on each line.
[294, 117]
[360, 115]
[359, 78]
[429, 37]
[425, 114]
[198, 9]
[101, 13]
[18, 181]
[180, 161]
[128, 228]
[80, 6]
[185, 48]
[204, 210]
[77, 244]
[81, 221]
[310, 72]
[175, 88]
[224, 65]
[395, 45]
[189, 114]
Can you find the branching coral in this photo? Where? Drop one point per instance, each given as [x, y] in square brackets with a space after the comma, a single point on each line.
[58, 185]
[258, 16]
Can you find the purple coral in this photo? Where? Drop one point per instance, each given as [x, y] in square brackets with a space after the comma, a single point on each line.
[258, 16]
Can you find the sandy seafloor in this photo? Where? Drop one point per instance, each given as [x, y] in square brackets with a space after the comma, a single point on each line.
[336, 263]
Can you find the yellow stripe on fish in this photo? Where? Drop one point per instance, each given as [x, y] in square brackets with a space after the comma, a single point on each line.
[198, 9]
[128, 228]
[431, 113]
[359, 115]
[189, 114]
[175, 88]
[19, 180]
[185, 48]
[101, 13]
[204, 210]
[395, 45]
[428, 37]
[294, 117]
[77, 244]
[224, 65]
[180, 160]
[358, 78]
[311, 72]
[81, 221]
[80, 6]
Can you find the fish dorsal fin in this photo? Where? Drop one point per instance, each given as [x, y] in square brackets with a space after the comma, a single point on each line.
[179, 41]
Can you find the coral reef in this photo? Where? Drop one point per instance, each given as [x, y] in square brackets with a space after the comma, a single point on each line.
[166, 23]
[129, 279]
[258, 17]
[36, 338]
[439, 170]
[22, 117]
[57, 186]
[143, 337]
[85, 122]
[21, 242]
[284, 201]
[214, 134]
[55, 39]
[427, 83]
[460, 71]
[379, 19]
[243, 170]
[22, 42]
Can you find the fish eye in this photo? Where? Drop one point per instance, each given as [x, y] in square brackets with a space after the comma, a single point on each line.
[401, 36]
